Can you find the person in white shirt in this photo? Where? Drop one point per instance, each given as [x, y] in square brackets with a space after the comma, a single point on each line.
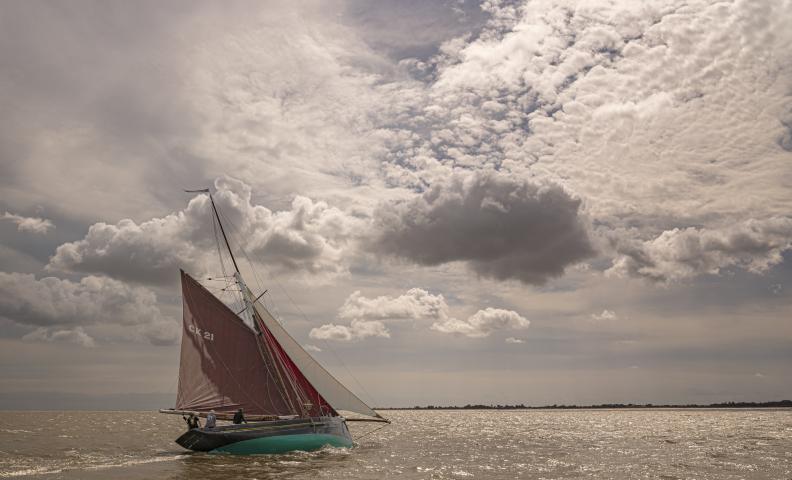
[211, 420]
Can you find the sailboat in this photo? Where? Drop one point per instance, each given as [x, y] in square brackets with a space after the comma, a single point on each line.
[290, 401]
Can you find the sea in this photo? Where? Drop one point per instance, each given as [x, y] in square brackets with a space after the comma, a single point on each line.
[420, 444]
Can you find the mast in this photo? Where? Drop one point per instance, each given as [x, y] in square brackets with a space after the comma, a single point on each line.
[222, 230]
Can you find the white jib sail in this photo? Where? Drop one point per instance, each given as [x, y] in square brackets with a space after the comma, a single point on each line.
[331, 389]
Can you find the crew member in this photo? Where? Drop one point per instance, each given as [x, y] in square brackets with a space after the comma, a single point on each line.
[193, 422]
[239, 417]
[211, 420]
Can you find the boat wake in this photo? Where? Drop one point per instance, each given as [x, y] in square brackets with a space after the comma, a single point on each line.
[102, 464]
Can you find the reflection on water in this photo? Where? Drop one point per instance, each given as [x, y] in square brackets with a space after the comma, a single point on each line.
[619, 444]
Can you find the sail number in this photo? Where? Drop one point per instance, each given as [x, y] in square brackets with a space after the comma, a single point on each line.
[201, 333]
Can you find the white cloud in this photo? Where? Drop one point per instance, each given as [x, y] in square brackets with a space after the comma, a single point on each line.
[357, 330]
[312, 348]
[366, 315]
[416, 304]
[29, 224]
[754, 245]
[514, 340]
[309, 238]
[61, 308]
[75, 336]
[605, 315]
[483, 323]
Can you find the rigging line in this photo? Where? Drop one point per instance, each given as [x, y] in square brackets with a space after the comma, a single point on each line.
[256, 278]
[370, 432]
[302, 396]
[271, 366]
[279, 363]
[220, 255]
[218, 215]
[254, 301]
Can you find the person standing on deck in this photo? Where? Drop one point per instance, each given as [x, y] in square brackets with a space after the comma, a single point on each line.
[211, 420]
[193, 422]
[239, 417]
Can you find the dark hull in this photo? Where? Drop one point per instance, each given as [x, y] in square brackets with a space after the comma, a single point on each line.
[276, 436]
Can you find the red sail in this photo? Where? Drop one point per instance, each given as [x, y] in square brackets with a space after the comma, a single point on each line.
[319, 405]
[223, 366]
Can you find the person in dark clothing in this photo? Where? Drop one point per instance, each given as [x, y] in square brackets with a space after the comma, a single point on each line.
[192, 422]
[239, 417]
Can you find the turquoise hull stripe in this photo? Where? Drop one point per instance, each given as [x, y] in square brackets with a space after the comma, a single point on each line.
[284, 443]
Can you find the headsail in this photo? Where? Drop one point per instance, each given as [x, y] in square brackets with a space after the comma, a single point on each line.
[222, 366]
[333, 391]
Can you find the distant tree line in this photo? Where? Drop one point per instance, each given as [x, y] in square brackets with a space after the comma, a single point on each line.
[776, 404]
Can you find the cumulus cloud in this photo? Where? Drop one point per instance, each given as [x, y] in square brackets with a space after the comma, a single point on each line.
[308, 238]
[514, 340]
[605, 315]
[312, 348]
[368, 316]
[75, 336]
[502, 227]
[677, 254]
[61, 308]
[416, 304]
[29, 224]
[483, 323]
[356, 330]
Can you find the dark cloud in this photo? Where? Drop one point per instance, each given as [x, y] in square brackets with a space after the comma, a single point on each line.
[504, 228]
[61, 308]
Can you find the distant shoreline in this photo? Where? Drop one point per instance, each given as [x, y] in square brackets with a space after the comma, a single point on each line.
[604, 406]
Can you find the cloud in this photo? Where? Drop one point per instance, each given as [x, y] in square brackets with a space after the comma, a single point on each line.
[357, 330]
[483, 323]
[312, 348]
[368, 317]
[61, 308]
[605, 315]
[502, 227]
[416, 304]
[657, 117]
[29, 224]
[677, 254]
[514, 340]
[75, 336]
[309, 238]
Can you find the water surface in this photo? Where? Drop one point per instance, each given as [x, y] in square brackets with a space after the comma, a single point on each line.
[534, 444]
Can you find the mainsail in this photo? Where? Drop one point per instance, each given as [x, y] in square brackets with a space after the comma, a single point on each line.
[221, 365]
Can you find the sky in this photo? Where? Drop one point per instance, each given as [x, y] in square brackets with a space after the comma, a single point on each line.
[448, 202]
